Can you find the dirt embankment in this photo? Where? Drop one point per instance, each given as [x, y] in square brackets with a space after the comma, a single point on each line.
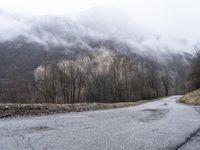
[192, 98]
[12, 110]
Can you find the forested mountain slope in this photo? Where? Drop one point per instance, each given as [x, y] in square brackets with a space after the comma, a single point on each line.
[86, 57]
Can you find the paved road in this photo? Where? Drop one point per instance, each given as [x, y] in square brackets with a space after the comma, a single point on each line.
[160, 125]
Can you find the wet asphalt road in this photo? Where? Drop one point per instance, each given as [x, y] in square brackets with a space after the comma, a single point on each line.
[158, 125]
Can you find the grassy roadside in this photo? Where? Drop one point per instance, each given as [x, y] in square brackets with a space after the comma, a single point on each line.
[13, 110]
[192, 98]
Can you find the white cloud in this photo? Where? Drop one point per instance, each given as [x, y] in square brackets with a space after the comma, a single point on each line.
[178, 18]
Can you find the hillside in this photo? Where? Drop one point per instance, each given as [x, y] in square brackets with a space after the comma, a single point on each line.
[192, 98]
[97, 47]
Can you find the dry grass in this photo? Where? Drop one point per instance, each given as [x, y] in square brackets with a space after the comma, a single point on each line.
[192, 98]
[11, 110]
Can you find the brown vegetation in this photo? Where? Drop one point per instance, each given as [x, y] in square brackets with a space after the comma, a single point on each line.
[103, 77]
[11, 110]
[192, 98]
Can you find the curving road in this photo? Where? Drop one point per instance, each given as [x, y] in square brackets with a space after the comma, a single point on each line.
[158, 125]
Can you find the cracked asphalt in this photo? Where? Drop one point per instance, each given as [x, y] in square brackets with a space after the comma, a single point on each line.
[158, 125]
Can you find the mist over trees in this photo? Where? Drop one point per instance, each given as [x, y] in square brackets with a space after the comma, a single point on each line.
[101, 76]
[90, 57]
[195, 69]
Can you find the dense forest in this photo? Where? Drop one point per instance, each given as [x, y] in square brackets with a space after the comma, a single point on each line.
[194, 75]
[105, 75]
[84, 58]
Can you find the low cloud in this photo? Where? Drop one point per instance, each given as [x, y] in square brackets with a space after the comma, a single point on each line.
[82, 29]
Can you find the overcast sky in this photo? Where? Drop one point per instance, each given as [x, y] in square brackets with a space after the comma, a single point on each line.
[177, 18]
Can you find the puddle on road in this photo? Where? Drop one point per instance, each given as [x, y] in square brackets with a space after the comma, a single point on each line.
[165, 104]
[151, 110]
[153, 114]
[34, 129]
[40, 128]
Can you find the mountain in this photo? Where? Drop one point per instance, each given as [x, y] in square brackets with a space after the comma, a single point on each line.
[27, 42]
[85, 29]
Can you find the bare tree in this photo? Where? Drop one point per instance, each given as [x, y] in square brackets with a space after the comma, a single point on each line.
[195, 71]
[71, 81]
[46, 82]
[166, 80]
